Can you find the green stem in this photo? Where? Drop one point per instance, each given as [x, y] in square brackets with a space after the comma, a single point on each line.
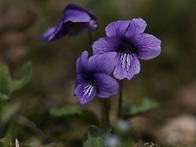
[90, 39]
[105, 104]
[120, 99]
[2, 102]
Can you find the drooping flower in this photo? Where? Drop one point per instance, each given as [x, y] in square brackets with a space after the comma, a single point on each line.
[128, 40]
[93, 77]
[74, 21]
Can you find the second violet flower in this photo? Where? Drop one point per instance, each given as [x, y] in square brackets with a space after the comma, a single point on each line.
[93, 77]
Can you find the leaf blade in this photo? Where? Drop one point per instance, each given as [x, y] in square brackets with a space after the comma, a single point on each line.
[18, 84]
[96, 137]
[4, 79]
[67, 111]
[139, 107]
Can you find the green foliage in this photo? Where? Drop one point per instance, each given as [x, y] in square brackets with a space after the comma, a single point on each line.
[66, 111]
[5, 142]
[4, 81]
[96, 137]
[8, 111]
[18, 84]
[7, 85]
[128, 142]
[139, 107]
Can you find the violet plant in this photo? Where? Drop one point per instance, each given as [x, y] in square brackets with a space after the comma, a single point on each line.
[128, 40]
[126, 43]
[118, 53]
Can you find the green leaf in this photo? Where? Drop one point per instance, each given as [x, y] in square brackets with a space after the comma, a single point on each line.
[96, 137]
[128, 142]
[18, 84]
[7, 85]
[65, 111]
[139, 107]
[8, 112]
[4, 80]
[5, 142]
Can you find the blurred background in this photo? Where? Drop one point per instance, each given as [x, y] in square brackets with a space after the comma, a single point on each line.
[169, 78]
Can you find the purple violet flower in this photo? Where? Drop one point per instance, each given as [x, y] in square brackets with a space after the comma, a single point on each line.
[93, 77]
[75, 20]
[128, 40]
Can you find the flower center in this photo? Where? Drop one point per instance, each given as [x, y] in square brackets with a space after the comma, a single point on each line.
[125, 55]
[88, 89]
[127, 49]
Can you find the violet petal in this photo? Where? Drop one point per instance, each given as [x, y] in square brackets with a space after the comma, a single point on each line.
[76, 16]
[53, 33]
[77, 8]
[136, 26]
[103, 63]
[59, 31]
[85, 92]
[106, 85]
[147, 46]
[82, 63]
[79, 79]
[106, 44]
[127, 66]
[117, 28]
[47, 34]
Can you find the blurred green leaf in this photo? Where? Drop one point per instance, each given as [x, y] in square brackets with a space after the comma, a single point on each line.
[139, 107]
[5, 142]
[18, 84]
[129, 142]
[7, 85]
[8, 111]
[65, 111]
[96, 137]
[4, 80]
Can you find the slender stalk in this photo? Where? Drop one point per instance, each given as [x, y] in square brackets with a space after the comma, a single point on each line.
[1, 125]
[90, 38]
[2, 103]
[105, 104]
[120, 99]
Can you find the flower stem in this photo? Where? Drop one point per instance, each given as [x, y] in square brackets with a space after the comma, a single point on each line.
[90, 39]
[120, 99]
[107, 110]
[105, 103]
